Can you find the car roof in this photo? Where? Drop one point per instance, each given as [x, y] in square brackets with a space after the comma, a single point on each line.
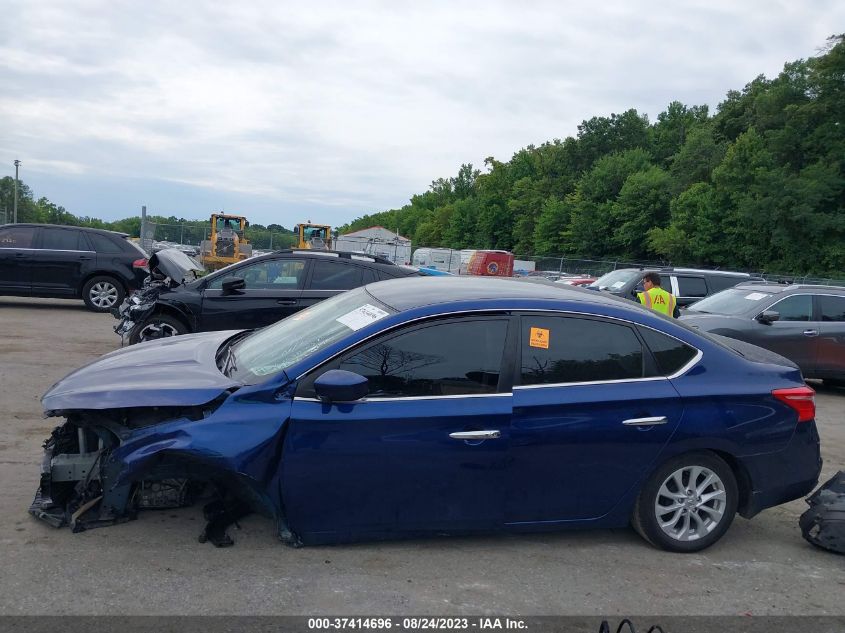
[88, 229]
[697, 271]
[353, 255]
[416, 292]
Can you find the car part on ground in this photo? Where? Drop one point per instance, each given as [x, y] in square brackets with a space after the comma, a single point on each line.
[823, 524]
[491, 405]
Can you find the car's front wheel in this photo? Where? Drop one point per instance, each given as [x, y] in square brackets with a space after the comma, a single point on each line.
[102, 293]
[687, 504]
[156, 327]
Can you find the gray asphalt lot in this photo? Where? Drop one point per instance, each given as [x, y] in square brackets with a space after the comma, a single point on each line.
[156, 566]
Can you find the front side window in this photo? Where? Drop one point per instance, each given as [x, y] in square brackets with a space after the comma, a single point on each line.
[795, 308]
[332, 275]
[442, 359]
[572, 349]
[269, 274]
[61, 240]
[832, 308]
[17, 237]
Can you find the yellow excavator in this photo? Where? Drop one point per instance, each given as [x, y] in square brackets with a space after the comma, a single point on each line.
[227, 244]
[316, 236]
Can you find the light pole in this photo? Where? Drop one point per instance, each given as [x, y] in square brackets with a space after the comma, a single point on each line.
[15, 216]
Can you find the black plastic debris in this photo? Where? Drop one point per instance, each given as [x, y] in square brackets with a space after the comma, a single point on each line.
[823, 524]
[220, 514]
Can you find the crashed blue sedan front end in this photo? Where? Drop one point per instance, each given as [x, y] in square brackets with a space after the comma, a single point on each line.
[140, 437]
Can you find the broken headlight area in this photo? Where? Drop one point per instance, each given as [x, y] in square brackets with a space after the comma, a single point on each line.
[139, 305]
[823, 524]
[82, 483]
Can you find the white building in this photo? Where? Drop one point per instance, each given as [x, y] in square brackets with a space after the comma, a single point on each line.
[376, 240]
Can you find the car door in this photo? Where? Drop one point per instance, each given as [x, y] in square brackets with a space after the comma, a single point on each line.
[330, 276]
[411, 455]
[587, 421]
[61, 260]
[272, 292]
[15, 259]
[831, 353]
[688, 289]
[795, 335]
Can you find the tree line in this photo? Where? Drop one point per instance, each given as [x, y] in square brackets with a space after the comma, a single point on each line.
[167, 228]
[759, 185]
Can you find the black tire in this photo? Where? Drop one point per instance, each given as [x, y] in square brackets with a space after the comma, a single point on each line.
[703, 529]
[102, 293]
[157, 326]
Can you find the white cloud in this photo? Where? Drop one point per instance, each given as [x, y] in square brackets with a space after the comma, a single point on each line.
[355, 105]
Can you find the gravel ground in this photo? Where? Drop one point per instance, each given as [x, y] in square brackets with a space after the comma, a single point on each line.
[156, 566]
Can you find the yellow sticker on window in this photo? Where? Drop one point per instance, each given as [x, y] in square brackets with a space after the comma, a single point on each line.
[539, 338]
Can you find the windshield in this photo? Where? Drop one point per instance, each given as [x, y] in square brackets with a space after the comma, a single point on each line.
[275, 348]
[616, 279]
[730, 302]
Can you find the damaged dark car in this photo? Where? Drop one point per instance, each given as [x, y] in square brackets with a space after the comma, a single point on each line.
[436, 406]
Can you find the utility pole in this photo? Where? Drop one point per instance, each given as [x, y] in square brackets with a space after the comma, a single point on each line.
[17, 164]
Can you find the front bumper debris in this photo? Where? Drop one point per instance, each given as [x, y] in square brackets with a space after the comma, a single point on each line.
[823, 524]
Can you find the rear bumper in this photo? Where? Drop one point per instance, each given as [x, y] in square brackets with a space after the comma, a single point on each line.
[786, 475]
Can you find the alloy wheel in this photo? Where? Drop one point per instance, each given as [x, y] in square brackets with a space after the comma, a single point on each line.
[690, 503]
[103, 295]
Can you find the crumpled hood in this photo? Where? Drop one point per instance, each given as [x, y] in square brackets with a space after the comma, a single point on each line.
[174, 371]
[174, 263]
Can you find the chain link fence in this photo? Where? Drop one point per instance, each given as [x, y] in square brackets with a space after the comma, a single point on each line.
[188, 237]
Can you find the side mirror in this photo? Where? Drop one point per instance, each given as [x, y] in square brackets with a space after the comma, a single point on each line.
[337, 385]
[233, 285]
[767, 317]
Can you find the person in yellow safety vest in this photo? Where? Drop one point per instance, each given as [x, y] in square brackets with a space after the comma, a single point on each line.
[656, 298]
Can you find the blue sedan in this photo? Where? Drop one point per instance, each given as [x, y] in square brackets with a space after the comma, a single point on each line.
[437, 406]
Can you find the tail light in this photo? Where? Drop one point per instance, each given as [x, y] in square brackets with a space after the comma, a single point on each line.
[140, 263]
[801, 399]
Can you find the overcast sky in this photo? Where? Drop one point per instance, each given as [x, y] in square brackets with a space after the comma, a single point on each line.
[329, 110]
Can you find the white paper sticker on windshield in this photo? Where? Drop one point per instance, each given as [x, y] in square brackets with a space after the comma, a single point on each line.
[756, 296]
[361, 317]
[618, 284]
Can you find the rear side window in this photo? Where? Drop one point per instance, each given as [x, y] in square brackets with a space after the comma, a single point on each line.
[794, 308]
[443, 359]
[571, 349]
[102, 244]
[17, 237]
[330, 275]
[718, 283]
[62, 240]
[670, 353]
[692, 287]
[832, 308]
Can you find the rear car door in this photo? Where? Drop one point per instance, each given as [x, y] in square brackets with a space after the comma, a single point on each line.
[795, 335]
[62, 260]
[590, 416]
[397, 460]
[15, 259]
[330, 276]
[831, 352]
[273, 290]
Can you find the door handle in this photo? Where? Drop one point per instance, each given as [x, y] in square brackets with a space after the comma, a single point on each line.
[662, 419]
[811, 332]
[476, 435]
[286, 302]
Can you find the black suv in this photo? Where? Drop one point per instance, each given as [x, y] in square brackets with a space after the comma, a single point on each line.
[687, 284]
[247, 295]
[46, 260]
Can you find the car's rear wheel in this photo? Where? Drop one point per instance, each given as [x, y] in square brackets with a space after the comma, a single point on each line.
[687, 504]
[102, 293]
[156, 327]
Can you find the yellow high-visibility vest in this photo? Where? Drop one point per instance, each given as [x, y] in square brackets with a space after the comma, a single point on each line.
[658, 300]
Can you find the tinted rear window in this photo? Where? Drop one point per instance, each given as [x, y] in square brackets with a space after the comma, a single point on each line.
[832, 308]
[670, 353]
[62, 240]
[102, 244]
[573, 349]
[692, 287]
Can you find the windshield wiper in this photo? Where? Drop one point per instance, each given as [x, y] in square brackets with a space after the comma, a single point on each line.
[226, 355]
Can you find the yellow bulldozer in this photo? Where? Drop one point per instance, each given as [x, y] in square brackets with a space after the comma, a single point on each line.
[227, 244]
[316, 236]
